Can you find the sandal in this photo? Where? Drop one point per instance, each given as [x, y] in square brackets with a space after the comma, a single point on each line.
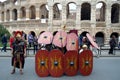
[21, 72]
[13, 71]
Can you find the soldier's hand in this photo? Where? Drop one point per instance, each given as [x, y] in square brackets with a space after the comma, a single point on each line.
[25, 55]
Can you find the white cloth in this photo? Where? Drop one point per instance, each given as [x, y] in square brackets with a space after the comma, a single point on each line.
[81, 50]
[119, 39]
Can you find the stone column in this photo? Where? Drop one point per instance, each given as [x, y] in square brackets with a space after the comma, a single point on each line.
[5, 16]
[50, 18]
[40, 13]
[93, 15]
[0, 17]
[11, 3]
[108, 33]
[119, 14]
[108, 23]
[78, 16]
[93, 18]
[64, 13]
[108, 15]
[19, 2]
[27, 14]
[37, 13]
[11, 15]
[18, 14]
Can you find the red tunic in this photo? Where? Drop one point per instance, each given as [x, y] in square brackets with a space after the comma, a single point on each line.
[11, 41]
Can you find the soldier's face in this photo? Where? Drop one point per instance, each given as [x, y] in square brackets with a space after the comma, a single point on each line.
[18, 38]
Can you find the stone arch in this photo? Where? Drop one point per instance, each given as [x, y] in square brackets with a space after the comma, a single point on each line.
[32, 12]
[99, 36]
[71, 10]
[85, 11]
[100, 11]
[14, 12]
[22, 12]
[8, 15]
[32, 33]
[115, 13]
[84, 33]
[44, 10]
[116, 34]
[2, 16]
[57, 9]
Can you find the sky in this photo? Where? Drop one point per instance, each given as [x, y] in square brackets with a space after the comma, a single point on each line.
[2, 0]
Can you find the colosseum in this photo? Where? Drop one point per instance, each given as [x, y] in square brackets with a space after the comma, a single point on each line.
[101, 18]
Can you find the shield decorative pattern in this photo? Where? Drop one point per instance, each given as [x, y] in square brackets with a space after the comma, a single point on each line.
[41, 63]
[72, 42]
[45, 38]
[71, 63]
[56, 63]
[86, 62]
[92, 41]
[59, 39]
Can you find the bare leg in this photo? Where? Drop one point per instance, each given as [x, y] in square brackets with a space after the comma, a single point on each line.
[14, 65]
[20, 67]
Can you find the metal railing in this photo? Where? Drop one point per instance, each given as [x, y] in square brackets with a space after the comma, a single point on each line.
[107, 47]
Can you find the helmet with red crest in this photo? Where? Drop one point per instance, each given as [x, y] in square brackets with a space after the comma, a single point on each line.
[18, 34]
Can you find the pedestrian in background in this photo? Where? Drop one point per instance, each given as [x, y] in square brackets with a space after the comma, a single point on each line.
[35, 43]
[30, 39]
[4, 43]
[85, 41]
[12, 39]
[119, 42]
[112, 44]
[24, 36]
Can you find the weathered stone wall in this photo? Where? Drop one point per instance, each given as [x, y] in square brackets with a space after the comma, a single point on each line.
[44, 17]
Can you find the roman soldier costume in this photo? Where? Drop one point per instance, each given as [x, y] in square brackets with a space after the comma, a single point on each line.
[18, 52]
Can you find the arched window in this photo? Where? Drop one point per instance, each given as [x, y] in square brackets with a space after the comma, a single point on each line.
[2, 16]
[100, 11]
[116, 36]
[44, 10]
[14, 14]
[71, 10]
[32, 12]
[99, 38]
[115, 13]
[8, 15]
[57, 8]
[23, 12]
[83, 34]
[85, 11]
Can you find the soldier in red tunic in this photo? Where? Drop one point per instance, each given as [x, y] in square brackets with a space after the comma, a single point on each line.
[18, 52]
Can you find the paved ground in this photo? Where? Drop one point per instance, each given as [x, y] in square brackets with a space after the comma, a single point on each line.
[105, 68]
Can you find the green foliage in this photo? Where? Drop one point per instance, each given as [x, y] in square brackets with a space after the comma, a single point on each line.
[3, 31]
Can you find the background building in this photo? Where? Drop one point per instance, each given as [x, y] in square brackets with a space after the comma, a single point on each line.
[101, 18]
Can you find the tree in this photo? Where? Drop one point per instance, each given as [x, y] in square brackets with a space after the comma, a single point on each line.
[3, 31]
